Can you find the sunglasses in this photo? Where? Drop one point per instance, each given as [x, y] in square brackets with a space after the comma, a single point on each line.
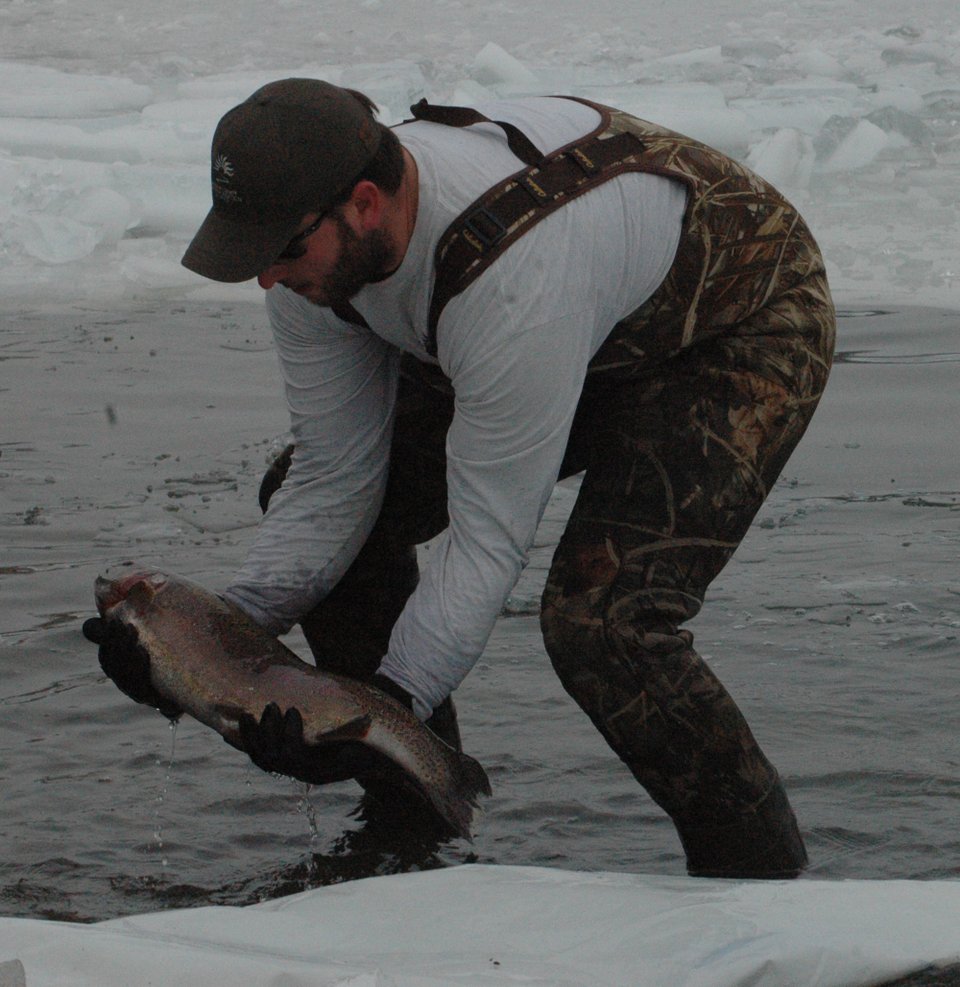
[295, 248]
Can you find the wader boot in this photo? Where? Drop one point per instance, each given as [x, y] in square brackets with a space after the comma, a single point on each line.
[677, 729]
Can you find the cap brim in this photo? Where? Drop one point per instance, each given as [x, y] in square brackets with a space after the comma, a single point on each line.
[232, 252]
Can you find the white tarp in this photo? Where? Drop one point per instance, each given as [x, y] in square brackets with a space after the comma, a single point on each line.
[482, 925]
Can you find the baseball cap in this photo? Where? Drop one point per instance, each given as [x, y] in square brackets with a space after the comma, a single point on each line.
[286, 151]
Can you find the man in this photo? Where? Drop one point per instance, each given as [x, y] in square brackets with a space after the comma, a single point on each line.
[640, 309]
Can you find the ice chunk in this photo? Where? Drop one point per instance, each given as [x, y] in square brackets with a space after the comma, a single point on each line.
[894, 121]
[498, 69]
[697, 109]
[394, 86]
[785, 159]
[752, 53]
[904, 98]
[234, 87]
[804, 105]
[698, 56]
[155, 265]
[906, 31]
[699, 65]
[816, 63]
[188, 116]
[469, 91]
[35, 91]
[857, 149]
[166, 200]
[10, 173]
[942, 102]
[917, 54]
[105, 210]
[55, 239]
[131, 143]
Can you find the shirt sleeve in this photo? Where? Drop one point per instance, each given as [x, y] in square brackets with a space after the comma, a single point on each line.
[340, 382]
[516, 351]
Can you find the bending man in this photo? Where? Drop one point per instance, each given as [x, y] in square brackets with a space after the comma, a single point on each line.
[463, 316]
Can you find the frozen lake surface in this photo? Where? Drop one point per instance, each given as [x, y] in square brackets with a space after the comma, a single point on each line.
[142, 431]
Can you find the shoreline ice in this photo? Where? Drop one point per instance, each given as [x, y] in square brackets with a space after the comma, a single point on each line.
[104, 177]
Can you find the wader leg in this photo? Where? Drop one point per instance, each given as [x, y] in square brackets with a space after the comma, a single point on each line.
[678, 463]
[668, 717]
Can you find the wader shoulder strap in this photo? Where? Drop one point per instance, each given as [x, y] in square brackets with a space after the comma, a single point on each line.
[464, 116]
[453, 116]
[480, 234]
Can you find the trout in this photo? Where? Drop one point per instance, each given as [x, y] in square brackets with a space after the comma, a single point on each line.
[174, 645]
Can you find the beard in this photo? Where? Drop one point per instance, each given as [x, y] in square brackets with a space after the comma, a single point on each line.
[361, 261]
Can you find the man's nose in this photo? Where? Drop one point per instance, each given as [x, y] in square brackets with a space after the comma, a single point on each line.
[268, 278]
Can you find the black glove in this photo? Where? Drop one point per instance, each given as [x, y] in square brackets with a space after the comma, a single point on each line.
[93, 629]
[276, 744]
[127, 664]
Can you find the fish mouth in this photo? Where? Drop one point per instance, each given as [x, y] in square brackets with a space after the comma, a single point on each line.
[124, 659]
[111, 589]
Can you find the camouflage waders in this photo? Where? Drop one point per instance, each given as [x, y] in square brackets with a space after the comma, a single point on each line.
[690, 411]
[688, 414]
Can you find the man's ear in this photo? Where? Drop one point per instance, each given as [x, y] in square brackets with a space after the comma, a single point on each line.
[367, 201]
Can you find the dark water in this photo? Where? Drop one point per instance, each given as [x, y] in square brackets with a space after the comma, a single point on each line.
[142, 434]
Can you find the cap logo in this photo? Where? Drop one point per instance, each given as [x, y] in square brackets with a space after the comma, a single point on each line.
[222, 173]
[222, 164]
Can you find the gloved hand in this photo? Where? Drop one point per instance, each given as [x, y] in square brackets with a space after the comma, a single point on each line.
[276, 744]
[93, 629]
[126, 663]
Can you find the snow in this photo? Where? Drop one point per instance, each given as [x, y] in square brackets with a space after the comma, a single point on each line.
[477, 925]
[106, 113]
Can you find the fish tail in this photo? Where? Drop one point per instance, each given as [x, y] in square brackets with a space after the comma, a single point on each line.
[473, 778]
[471, 783]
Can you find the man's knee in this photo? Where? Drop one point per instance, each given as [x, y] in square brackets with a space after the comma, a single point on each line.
[605, 657]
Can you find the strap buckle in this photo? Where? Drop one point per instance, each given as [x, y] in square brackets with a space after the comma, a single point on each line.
[483, 229]
[587, 165]
[534, 189]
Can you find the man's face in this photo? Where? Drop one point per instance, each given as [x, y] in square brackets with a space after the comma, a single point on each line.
[337, 262]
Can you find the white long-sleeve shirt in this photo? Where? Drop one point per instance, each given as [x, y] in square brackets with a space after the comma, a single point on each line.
[515, 345]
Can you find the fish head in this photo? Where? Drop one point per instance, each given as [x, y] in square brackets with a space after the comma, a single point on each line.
[123, 595]
[131, 583]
